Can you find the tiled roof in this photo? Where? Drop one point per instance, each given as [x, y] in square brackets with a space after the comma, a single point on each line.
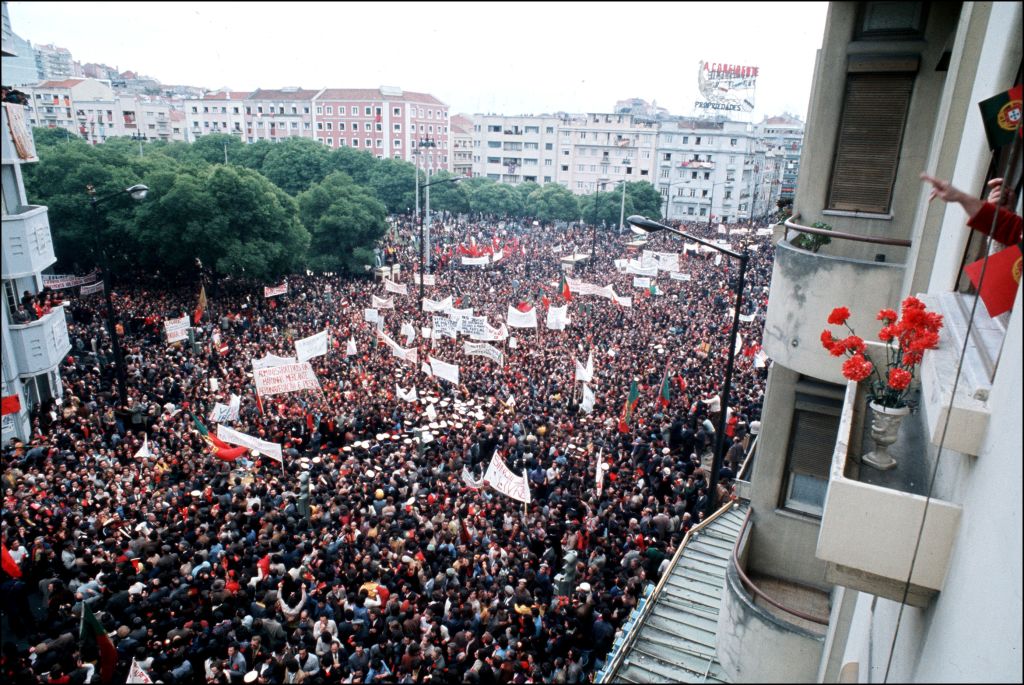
[227, 95]
[66, 83]
[372, 94]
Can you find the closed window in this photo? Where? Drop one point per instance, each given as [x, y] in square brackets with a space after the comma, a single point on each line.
[812, 441]
[875, 106]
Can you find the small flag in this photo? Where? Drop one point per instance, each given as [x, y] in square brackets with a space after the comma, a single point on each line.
[665, 394]
[1002, 278]
[628, 407]
[350, 349]
[136, 674]
[10, 566]
[1001, 116]
[201, 306]
[91, 628]
[564, 287]
[144, 450]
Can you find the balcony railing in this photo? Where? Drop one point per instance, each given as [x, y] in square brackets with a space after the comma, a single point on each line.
[27, 245]
[40, 345]
[874, 524]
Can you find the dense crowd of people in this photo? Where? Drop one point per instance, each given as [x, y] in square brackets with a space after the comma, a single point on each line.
[394, 567]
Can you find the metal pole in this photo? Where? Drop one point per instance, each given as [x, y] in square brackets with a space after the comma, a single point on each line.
[427, 246]
[711, 207]
[622, 208]
[716, 464]
[593, 233]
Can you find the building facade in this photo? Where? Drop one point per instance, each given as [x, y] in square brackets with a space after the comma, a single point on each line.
[516, 149]
[32, 349]
[598, 151]
[461, 128]
[217, 112]
[55, 63]
[19, 65]
[784, 136]
[277, 115]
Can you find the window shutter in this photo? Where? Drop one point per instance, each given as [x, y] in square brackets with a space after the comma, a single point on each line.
[812, 443]
[870, 135]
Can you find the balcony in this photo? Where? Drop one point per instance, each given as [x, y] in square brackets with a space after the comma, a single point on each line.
[40, 345]
[14, 113]
[764, 615]
[871, 519]
[27, 246]
[806, 286]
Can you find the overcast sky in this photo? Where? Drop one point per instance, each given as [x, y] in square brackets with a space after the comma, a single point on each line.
[507, 58]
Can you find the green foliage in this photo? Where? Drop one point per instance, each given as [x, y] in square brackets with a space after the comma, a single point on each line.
[210, 148]
[296, 164]
[810, 241]
[524, 190]
[493, 198]
[452, 197]
[647, 200]
[344, 220]
[553, 202]
[356, 163]
[49, 137]
[394, 183]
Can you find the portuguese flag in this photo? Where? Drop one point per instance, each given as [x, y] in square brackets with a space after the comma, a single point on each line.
[564, 288]
[1001, 115]
[628, 407]
[218, 447]
[200, 306]
[665, 394]
[93, 630]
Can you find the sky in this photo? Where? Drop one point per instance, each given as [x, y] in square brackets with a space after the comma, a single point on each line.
[477, 57]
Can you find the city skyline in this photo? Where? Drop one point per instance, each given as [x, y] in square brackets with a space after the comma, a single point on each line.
[533, 38]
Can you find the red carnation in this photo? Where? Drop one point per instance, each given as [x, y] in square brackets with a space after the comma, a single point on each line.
[853, 343]
[839, 316]
[857, 368]
[887, 315]
[827, 341]
[899, 379]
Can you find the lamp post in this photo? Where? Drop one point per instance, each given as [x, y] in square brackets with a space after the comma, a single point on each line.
[644, 225]
[139, 137]
[138, 193]
[712, 205]
[423, 242]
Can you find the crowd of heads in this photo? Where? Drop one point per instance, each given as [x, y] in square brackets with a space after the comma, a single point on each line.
[389, 565]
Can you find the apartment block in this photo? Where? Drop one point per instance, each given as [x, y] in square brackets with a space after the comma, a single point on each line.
[461, 129]
[516, 149]
[597, 151]
[276, 115]
[217, 112]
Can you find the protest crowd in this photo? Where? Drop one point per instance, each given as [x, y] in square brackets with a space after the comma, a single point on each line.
[374, 547]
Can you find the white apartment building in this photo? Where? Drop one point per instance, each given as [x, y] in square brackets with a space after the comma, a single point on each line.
[597, 151]
[218, 112]
[278, 114]
[708, 169]
[516, 149]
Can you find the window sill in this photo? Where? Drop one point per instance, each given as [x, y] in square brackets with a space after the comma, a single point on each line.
[968, 411]
[857, 215]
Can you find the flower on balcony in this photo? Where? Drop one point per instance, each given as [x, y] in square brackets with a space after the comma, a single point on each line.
[906, 338]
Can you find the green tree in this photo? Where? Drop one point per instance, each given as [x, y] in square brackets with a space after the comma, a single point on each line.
[296, 164]
[211, 147]
[646, 199]
[495, 199]
[49, 137]
[253, 155]
[344, 220]
[356, 163]
[553, 202]
[451, 197]
[394, 182]
[523, 190]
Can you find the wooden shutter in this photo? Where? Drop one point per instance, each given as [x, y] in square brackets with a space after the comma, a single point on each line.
[870, 135]
[812, 442]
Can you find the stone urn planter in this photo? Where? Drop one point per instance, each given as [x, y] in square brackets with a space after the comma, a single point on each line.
[885, 428]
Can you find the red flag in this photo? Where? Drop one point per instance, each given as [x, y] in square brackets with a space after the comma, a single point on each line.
[564, 287]
[92, 628]
[200, 306]
[229, 454]
[10, 566]
[682, 382]
[523, 307]
[546, 300]
[264, 565]
[1001, 279]
[11, 404]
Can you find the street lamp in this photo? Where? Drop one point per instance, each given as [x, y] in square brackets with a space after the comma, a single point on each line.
[643, 226]
[423, 240]
[137, 193]
[712, 205]
[139, 137]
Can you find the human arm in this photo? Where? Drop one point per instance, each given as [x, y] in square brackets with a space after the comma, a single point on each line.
[982, 213]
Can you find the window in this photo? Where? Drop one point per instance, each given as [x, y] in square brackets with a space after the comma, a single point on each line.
[330, 110]
[549, 129]
[666, 157]
[693, 175]
[368, 111]
[234, 110]
[891, 20]
[664, 172]
[533, 129]
[871, 133]
[697, 141]
[494, 144]
[396, 111]
[354, 110]
[733, 142]
[341, 125]
[494, 160]
[330, 142]
[812, 440]
[367, 126]
[380, 142]
[378, 111]
[369, 143]
[397, 143]
[707, 175]
[565, 167]
[319, 126]
[686, 140]
[548, 146]
[397, 128]
[355, 142]
[195, 110]
[379, 127]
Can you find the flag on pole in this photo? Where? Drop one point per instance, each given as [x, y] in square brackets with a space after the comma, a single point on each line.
[665, 393]
[144, 450]
[564, 288]
[92, 629]
[201, 306]
[1001, 116]
[628, 407]
[1002, 277]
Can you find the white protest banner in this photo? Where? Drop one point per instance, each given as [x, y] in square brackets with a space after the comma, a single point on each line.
[718, 259]
[136, 674]
[176, 329]
[437, 306]
[428, 279]
[270, 449]
[518, 319]
[275, 290]
[747, 318]
[409, 331]
[397, 288]
[220, 413]
[426, 332]
[410, 396]
[664, 261]
[475, 261]
[497, 256]
[494, 334]
[557, 249]
[484, 350]
[381, 303]
[722, 229]
[640, 271]
[587, 405]
[648, 260]
[91, 289]
[475, 327]
[371, 315]
[468, 479]
[287, 378]
[502, 479]
[558, 318]
[271, 360]
[350, 349]
[449, 372]
[691, 247]
[430, 412]
[214, 385]
[620, 266]
[675, 276]
[459, 313]
[61, 281]
[513, 343]
[760, 359]
[641, 282]
[425, 368]
[623, 301]
[760, 231]
[443, 326]
[386, 339]
[739, 343]
[313, 346]
[410, 355]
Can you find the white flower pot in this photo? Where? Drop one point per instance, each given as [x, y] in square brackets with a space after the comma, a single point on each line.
[885, 428]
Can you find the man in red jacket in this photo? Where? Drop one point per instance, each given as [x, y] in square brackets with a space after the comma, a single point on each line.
[981, 212]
